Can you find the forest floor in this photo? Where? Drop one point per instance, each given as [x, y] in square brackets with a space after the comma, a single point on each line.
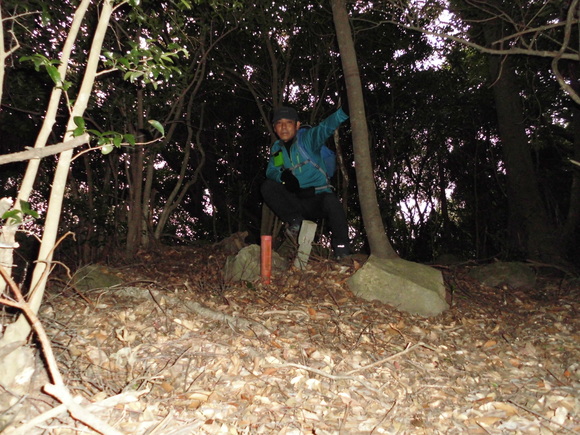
[176, 350]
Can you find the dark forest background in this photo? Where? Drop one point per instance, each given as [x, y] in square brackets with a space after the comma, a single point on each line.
[473, 146]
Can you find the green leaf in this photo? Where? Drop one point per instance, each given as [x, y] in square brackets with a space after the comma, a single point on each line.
[123, 61]
[157, 126]
[66, 85]
[25, 207]
[37, 60]
[106, 149]
[53, 73]
[186, 4]
[117, 141]
[79, 131]
[133, 75]
[13, 214]
[79, 121]
[95, 133]
[130, 139]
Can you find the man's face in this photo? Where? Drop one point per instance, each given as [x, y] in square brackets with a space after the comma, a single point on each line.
[286, 129]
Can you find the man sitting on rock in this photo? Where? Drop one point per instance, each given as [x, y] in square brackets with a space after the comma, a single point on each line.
[297, 187]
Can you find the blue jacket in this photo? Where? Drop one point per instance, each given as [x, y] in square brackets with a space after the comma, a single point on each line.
[312, 140]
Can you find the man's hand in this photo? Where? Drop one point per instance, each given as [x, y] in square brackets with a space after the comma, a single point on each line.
[289, 181]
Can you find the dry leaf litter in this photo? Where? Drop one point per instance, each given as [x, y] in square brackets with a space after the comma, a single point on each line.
[176, 350]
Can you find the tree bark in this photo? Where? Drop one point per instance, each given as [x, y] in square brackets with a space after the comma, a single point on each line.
[531, 232]
[373, 222]
[136, 206]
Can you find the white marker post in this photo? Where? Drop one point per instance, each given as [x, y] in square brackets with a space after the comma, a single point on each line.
[305, 238]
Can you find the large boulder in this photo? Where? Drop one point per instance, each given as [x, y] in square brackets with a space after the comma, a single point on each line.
[407, 286]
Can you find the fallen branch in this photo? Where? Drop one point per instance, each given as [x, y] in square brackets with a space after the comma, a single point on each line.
[58, 388]
[21, 304]
[235, 322]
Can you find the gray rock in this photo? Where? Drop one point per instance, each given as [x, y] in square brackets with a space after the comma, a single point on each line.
[407, 286]
[513, 274]
[95, 276]
[245, 266]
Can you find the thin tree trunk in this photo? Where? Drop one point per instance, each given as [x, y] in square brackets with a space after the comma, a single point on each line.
[8, 232]
[19, 330]
[181, 187]
[135, 205]
[378, 241]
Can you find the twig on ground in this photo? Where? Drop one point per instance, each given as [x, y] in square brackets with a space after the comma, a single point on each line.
[531, 411]
[159, 426]
[31, 424]
[384, 417]
[79, 413]
[384, 360]
[329, 376]
[285, 312]
[76, 290]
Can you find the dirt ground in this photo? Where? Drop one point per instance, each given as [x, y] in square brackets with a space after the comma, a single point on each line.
[176, 350]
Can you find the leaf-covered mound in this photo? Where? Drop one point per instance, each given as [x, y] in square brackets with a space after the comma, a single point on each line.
[175, 350]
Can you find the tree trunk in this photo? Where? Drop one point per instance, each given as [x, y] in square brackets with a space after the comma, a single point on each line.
[373, 222]
[3, 55]
[8, 232]
[569, 237]
[530, 229]
[19, 330]
[136, 206]
[182, 186]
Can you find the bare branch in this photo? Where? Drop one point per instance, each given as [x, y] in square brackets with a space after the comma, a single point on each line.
[39, 153]
[515, 43]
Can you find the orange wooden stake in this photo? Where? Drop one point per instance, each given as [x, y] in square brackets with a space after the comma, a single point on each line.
[266, 259]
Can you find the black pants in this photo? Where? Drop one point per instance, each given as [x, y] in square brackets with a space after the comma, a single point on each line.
[291, 208]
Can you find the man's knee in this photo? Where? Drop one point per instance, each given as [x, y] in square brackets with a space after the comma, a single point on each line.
[331, 203]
